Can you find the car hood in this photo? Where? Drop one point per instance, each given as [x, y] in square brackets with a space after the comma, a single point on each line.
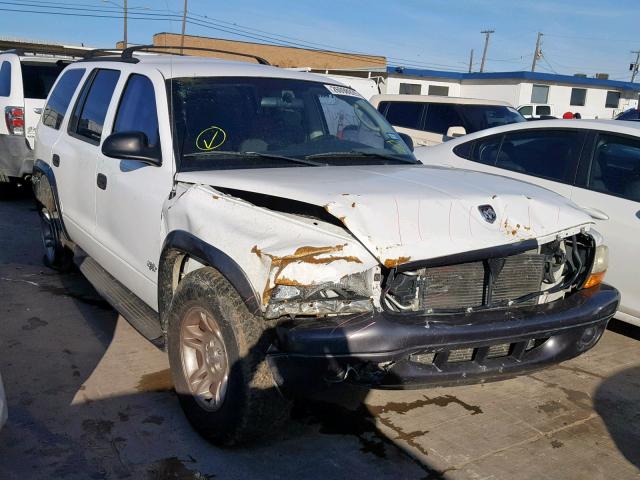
[405, 213]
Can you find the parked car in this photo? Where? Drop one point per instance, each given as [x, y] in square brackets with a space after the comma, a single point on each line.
[633, 115]
[595, 163]
[430, 119]
[270, 229]
[537, 111]
[25, 81]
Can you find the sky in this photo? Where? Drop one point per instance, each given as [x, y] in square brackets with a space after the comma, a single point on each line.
[579, 36]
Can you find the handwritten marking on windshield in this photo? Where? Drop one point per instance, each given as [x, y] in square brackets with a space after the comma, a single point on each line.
[210, 138]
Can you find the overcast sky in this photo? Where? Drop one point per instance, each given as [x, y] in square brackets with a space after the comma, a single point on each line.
[585, 36]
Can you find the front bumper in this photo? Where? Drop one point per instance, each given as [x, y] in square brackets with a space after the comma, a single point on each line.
[16, 157]
[387, 350]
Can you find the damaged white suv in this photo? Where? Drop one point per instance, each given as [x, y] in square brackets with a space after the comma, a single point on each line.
[270, 229]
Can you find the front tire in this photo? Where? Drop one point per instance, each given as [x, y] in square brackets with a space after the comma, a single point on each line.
[217, 352]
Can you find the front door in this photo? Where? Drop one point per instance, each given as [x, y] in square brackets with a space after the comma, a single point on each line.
[129, 203]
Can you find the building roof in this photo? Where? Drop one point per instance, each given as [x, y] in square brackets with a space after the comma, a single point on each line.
[522, 76]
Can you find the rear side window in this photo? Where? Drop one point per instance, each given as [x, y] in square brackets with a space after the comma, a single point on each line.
[137, 110]
[92, 105]
[60, 98]
[551, 154]
[38, 78]
[5, 79]
[615, 168]
[543, 110]
[405, 114]
[486, 150]
[441, 116]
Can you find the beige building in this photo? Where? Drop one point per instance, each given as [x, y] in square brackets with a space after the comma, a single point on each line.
[276, 55]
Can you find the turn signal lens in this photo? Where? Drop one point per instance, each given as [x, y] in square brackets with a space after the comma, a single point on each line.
[599, 268]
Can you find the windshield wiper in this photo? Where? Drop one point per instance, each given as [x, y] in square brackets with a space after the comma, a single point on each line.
[273, 156]
[363, 153]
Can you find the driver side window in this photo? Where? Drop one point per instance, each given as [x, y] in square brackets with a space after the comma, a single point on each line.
[137, 110]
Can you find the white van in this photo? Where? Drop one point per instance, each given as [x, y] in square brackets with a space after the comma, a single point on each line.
[431, 119]
[25, 81]
[537, 111]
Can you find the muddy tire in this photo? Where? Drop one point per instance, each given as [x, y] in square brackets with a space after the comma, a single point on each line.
[217, 351]
[56, 255]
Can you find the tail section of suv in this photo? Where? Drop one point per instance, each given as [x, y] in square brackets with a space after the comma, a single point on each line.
[25, 82]
[269, 228]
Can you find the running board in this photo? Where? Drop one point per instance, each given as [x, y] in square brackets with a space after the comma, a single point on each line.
[142, 317]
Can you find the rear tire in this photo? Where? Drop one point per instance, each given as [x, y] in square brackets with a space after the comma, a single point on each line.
[217, 352]
[56, 255]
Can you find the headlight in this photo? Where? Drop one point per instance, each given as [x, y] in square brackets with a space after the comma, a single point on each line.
[599, 267]
[352, 294]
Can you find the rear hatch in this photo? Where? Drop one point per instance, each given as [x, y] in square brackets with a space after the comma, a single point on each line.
[37, 79]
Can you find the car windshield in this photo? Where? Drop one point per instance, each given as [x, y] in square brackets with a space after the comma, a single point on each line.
[481, 117]
[229, 122]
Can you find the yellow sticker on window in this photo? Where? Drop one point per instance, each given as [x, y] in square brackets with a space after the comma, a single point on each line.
[210, 139]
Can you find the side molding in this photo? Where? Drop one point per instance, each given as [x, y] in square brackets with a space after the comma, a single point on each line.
[180, 242]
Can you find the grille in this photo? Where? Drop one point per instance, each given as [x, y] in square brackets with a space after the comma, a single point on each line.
[467, 284]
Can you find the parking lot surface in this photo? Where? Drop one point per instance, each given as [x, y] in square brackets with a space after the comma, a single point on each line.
[90, 398]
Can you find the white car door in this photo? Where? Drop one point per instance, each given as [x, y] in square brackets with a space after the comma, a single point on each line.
[76, 154]
[129, 203]
[611, 193]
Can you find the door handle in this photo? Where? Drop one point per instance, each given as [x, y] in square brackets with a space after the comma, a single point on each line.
[37, 111]
[101, 181]
[55, 160]
[595, 213]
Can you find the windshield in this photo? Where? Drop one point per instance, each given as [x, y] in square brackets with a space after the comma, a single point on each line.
[228, 122]
[481, 117]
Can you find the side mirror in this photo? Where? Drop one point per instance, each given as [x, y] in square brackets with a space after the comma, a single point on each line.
[407, 139]
[131, 146]
[454, 132]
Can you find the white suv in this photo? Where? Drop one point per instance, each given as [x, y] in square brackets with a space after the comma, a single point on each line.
[271, 230]
[25, 82]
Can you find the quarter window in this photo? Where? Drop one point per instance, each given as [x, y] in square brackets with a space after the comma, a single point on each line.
[137, 110]
[410, 89]
[548, 154]
[5, 79]
[60, 98]
[405, 114]
[613, 100]
[91, 108]
[615, 168]
[578, 96]
[540, 94]
[441, 116]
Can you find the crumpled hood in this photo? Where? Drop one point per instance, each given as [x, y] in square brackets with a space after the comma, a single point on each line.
[403, 213]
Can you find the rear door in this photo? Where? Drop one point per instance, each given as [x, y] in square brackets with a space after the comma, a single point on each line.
[609, 188]
[439, 118]
[37, 79]
[77, 154]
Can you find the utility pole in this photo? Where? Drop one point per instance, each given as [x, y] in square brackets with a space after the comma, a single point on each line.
[184, 24]
[634, 68]
[487, 34]
[537, 54]
[125, 24]
[471, 61]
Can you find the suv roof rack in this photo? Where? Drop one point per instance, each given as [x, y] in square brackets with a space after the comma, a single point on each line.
[52, 50]
[126, 54]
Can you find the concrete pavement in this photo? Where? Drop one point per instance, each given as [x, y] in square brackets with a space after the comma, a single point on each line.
[90, 398]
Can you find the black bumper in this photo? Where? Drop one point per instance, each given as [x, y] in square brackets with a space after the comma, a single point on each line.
[386, 350]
